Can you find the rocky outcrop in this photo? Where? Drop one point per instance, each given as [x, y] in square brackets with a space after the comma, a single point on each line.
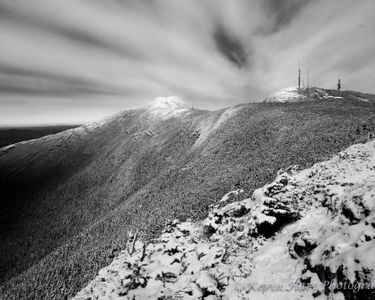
[204, 260]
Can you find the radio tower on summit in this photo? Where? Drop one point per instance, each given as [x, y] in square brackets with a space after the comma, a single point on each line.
[299, 76]
[339, 84]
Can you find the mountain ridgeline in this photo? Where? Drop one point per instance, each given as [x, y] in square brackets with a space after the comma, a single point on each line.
[70, 199]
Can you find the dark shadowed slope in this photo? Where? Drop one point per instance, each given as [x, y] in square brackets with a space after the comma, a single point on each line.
[70, 199]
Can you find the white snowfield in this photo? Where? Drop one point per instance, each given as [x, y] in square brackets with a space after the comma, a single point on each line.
[307, 235]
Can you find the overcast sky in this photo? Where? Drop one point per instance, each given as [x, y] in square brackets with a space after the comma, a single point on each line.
[75, 61]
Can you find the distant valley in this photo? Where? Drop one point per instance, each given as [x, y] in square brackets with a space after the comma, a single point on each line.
[11, 135]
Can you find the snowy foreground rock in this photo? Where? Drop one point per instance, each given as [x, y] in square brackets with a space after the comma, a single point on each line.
[308, 235]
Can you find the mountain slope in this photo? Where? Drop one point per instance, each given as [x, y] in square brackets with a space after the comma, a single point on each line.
[239, 251]
[70, 199]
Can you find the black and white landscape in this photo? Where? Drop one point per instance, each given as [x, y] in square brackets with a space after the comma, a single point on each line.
[228, 149]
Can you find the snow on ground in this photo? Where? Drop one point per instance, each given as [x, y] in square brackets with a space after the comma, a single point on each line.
[307, 235]
[207, 126]
[171, 102]
[293, 94]
[166, 107]
[289, 94]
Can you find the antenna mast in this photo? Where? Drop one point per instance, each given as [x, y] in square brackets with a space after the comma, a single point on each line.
[299, 75]
[308, 80]
[339, 84]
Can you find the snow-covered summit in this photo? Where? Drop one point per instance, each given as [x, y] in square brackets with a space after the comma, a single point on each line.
[289, 94]
[165, 107]
[294, 94]
[171, 102]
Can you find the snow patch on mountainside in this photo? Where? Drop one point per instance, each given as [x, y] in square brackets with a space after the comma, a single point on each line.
[309, 235]
[207, 126]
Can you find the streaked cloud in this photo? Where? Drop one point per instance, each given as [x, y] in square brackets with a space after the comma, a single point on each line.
[79, 60]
